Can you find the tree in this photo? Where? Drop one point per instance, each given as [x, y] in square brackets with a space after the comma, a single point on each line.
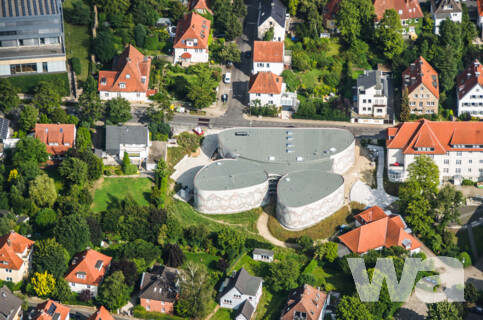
[58, 116]
[291, 79]
[351, 308]
[118, 110]
[222, 265]
[95, 230]
[90, 105]
[128, 269]
[47, 97]
[45, 219]
[85, 295]
[239, 8]
[450, 35]
[195, 291]
[354, 16]
[30, 149]
[405, 110]
[143, 13]
[8, 96]
[73, 234]
[327, 250]
[113, 292]
[94, 164]
[305, 242]
[42, 191]
[83, 139]
[50, 256]
[307, 278]
[229, 239]
[62, 290]
[292, 7]
[283, 275]
[74, 171]
[269, 35]
[201, 88]
[443, 311]
[43, 284]
[230, 53]
[6, 225]
[388, 33]
[445, 61]
[471, 293]
[28, 117]
[449, 200]
[79, 14]
[233, 28]
[178, 11]
[139, 35]
[175, 256]
[468, 29]
[103, 45]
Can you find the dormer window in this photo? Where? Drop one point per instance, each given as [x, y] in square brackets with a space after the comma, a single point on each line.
[128, 76]
[143, 79]
[103, 81]
[122, 85]
[81, 275]
[99, 264]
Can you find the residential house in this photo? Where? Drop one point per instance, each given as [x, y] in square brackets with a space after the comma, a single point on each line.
[263, 255]
[378, 230]
[101, 314]
[51, 310]
[31, 37]
[10, 305]
[445, 9]
[422, 83]
[409, 12]
[455, 147]
[240, 287]
[159, 289]
[305, 302]
[245, 311]
[191, 41]
[129, 78]
[200, 6]
[469, 90]
[131, 139]
[15, 257]
[87, 270]
[372, 94]
[268, 56]
[4, 128]
[58, 138]
[330, 15]
[272, 14]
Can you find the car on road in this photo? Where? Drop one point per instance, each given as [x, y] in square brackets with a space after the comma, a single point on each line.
[224, 98]
[477, 310]
[248, 54]
[227, 78]
[198, 131]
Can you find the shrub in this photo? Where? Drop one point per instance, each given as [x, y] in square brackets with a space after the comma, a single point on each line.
[76, 65]
[85, 295]
[130, 169]
[465, 259]
[28, 83]
[467, 182]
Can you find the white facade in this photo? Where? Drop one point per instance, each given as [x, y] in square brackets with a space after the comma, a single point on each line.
[471, 102]
[233, 298]
[267, 98]
[453, 16]
[278, 30]
[15, 276]
[480, 21]
[197, 55]
[135, 151]
[130, 96]
[343, 160]
[468, 164]
[371, 102]
[79, 287]
[263, 257]
[274, 67]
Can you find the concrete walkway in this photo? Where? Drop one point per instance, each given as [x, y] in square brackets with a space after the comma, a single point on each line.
[473, 246]
[262, 226]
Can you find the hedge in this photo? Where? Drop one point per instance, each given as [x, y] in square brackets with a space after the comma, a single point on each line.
[164, 190]
[140, 312]
[76, 65]
[28, 83]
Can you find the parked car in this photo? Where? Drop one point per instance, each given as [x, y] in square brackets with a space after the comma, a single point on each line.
[198, 131]
[229, 64]
[224, 98]
[477, 310]
[227, 77]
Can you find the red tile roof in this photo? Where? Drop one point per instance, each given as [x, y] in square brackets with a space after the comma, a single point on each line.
[186, 55]
[85, 263]
[101, 314]
[201, 5]
[420, 71]
[331, 9]
[479, 4]
[11, 246]
[61, 135]
[47, 310]
[130, 69]
[305, 299]
[407, 9]
[195, 28]
[371, 214]
[469, 78]
[386, 232]
[440, 136]
[267, 51]
[265, 82]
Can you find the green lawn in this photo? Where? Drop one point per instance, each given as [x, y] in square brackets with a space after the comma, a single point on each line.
[117, 188]
[223, 314]
[53, 172]
[78, 42]
[204, 258]
[248, 218]
[333, 49]
[463, 241]
[332, 275]
[270, 305]
[255, 268]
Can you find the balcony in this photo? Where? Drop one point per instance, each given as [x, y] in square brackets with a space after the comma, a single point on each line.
[396, 165]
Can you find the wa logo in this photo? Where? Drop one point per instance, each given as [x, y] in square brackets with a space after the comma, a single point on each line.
[451, 277]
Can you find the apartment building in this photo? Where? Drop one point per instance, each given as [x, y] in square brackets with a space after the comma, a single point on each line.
[469, 90]
[15, 257]
[191, 41]
[455, 147]
[372, 93]
[31, 37]
[422, 83]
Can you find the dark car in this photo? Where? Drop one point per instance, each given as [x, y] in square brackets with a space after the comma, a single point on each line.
[477, 310]
[224, 98]
[248, 54]
[229, 64]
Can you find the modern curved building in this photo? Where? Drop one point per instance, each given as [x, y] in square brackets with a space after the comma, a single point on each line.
[311, 159]
[229, 186]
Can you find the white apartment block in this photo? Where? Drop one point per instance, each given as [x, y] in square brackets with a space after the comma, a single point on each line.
[372, 93]
[469, 90]
[445, 9]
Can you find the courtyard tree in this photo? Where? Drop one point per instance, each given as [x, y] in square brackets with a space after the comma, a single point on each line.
[351, 308]
[405, 114]
[30, 149]
[74, 171]
[118, 110]
[42, 191]
[388, 33]
[8, 96]
[43, 284]
[47, 97]
[283, 275]
[230, 53]
[443, 311]
[73, 233]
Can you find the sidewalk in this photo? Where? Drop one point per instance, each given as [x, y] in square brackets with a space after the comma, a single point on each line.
[313, 122]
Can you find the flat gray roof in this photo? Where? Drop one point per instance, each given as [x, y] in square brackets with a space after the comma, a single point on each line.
[300, 188]
[9, 53]
[229, 175]
[284, 150]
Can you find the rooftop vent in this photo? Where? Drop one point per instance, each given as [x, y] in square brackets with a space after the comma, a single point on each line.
[271, 158]
[241, 133]
[300, 159]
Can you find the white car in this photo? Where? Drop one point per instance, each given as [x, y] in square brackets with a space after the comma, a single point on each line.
[227, 78]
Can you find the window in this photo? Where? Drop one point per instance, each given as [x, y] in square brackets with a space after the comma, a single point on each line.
[364, 100]
[128, 76]
[45, 67]
[458, 170]
[481, 161]
[227, 301]
[271, 95]
[459, 153]
[480, 170]
[107, 94]
[138, 95]
[446, 161]
[122, 85]
[236, 296]
[148, 307]
[369, 100]
[458, 162]
[421, 89]
[270, 101]
[88, 286]
[469, 169]
[163, 310]
[268, 65]
[148, 300]
[162, 303]
[9, 279]
[23, 68]
[445, 170]
[415, 96]
[470, 161]
[8, 270]
[72, 284]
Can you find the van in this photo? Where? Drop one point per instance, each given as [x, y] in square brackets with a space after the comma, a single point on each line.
[227, 77]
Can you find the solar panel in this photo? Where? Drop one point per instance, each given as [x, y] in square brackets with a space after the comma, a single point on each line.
[29, 8]
[4, 127]
[52, 7]
[4, 8]
[98, 264]
[56, 316]
[52, 309]
[10, 6]
[41, 7]
[23, 7]
[35, 7]
[16, 10]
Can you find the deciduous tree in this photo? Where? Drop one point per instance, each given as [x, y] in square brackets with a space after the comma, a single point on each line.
[43, 284]
[83, 139]
[28, 117]
[443, 311]
[103, 45]
[8, 96]
[74, 171]
[128, 269]
[113, 292]
[405, 110]
[30, 149]
[118, 110]
[388, 33]
[283, 275]
[50, 256]
[230, 53]
[47, 97]
[73, 233]
[195, 291]
[351, 308]
[42, 191]
[79, 14]
[174, 256]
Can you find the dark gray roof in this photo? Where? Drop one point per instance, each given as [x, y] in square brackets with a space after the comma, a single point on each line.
[9, 304]
[19, 8]
[243, 282]
[246, 309]
[160, 285]
[443, 8]
[274, 9]
[4, 123]
[264, 251]
[373, 78]
[117, 135]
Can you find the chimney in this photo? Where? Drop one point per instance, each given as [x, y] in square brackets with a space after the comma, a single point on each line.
[9, 242]
[469, 75]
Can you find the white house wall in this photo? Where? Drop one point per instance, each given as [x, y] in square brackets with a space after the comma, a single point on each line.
[274, 67]
[130, 96]
[472, 102]
[265, 99]
[278, 31]
[455, 17]
[344, 160]
[366, 102]
[297, 218]
[236, 302]
[78, 288]
[197, 55]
